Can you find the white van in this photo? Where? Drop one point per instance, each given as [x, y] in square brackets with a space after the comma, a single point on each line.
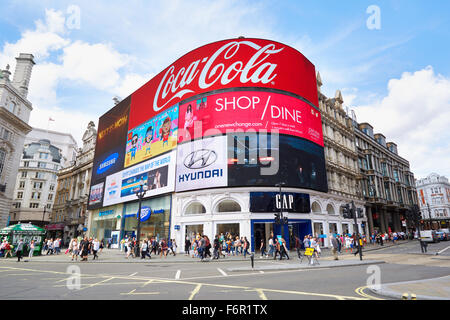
[428, 236]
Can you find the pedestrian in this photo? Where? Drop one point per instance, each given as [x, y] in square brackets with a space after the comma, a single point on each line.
[334, 246]
[84, 249]
[208, 247]
[187, 246]
[144, 249]
[174, 247]
[95, 248]
[271, 247]
[216, 247]
[74, 248]
[298, 246]
[8, 250]
[164, 248]
[101, 246]
[277, 246]
[306, 242]
[31, 249]
[360, 247]
[262, 248]
[109, 243]
[245, 247]
[202, 248]
[283, 249]
[19, 250]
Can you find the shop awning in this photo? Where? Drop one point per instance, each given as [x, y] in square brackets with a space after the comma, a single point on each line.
[22, 228]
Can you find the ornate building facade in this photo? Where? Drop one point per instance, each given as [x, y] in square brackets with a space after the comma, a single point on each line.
[15, 112]
[387, 183]
[70, 208]
[434, 201]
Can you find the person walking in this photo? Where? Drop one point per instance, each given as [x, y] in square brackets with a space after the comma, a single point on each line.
[262, 248]
[277, 246]
[306, 242]
[74, 248]
[19, 250]
[334, 246]
[8, 250]
[246, 246]
[298, 246]
[271, 247]
[283, 249]
[56, 246]
[31, 247]
[216, 246]
[95, 248]
[84, 249]
[187, 245]
[174, 247]
[144, 249]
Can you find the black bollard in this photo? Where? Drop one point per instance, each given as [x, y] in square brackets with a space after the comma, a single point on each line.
[252, 258]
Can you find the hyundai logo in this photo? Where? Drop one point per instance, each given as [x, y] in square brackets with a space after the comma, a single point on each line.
[200, 159]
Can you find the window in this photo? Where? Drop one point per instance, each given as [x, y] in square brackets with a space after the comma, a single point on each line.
[52, 187]
[24, 174]
[39, 175]
[50, 196]
[2, 160]
[49, 206]
[11, 107]
[41, 164]
[195, 208]
[26, 164]
[21, 184]
[5, 134]
[35, 195]
[38, 185]
[34, 205]
[16, 205]
[19, 195]
[43, 155]
[229, 206]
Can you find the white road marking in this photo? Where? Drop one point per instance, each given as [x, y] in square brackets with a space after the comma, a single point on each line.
[177, 276]
[222, 272]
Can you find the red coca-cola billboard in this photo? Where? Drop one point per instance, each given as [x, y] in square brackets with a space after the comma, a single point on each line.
[234, 63]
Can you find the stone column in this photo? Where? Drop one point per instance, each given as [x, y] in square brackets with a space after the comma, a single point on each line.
[369, 219]
[382, 214]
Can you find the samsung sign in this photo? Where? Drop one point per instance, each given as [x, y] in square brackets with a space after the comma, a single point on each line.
[203, 164]
[107, 163]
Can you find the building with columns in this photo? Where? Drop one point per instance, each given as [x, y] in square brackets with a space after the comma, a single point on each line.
[15, 111]
[68, 218]
[434, 201]
[387, 183]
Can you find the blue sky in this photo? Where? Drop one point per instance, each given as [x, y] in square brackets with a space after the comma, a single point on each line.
[396, 77]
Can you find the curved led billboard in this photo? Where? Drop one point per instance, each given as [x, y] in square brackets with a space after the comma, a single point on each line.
[237, 112]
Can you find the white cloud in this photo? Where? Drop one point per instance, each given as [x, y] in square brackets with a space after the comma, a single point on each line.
[96, 65]
[130, 83]
[415, 114]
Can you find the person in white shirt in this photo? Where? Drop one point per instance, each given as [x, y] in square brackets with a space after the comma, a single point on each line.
[56, 246]
[95, 248]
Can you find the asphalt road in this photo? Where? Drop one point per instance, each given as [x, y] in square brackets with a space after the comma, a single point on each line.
[196, 280]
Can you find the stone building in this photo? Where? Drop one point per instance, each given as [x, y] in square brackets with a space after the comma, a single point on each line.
[387, 184]
[15, 111]
[70, 208]
[44, 154]
[434, 201]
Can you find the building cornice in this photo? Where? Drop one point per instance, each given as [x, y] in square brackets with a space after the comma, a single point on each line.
[14, 120]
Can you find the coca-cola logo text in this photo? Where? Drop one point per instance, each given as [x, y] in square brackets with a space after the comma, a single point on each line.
[208, 71]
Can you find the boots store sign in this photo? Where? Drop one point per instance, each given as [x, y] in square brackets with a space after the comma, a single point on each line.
[222, 65]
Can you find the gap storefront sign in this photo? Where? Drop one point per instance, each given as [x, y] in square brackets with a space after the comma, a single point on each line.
[273, 202]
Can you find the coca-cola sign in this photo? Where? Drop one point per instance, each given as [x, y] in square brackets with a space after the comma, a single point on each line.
[221, 65]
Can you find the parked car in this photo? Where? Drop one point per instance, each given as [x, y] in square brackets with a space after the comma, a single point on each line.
[429, 236]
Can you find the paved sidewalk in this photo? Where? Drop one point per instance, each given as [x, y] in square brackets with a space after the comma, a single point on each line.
[428, 289]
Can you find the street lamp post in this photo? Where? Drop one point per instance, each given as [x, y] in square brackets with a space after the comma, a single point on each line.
[43, 216]
[140, 194]
[282, 220]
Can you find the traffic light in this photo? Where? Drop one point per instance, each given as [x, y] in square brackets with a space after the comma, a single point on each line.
[346, 211]
[277, 218]
[359, 212]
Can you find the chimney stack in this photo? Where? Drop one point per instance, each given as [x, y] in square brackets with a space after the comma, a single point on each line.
[22, 74]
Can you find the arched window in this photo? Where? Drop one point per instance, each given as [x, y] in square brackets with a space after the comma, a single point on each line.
[228, 206]
[330, 209]
[195, 208]
[315, 208]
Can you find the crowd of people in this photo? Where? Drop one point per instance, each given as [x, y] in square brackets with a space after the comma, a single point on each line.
[162, 247]
[83, 247]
